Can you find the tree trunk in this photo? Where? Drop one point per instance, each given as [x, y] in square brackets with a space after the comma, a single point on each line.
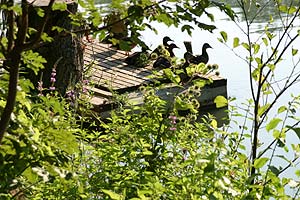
[65, 51]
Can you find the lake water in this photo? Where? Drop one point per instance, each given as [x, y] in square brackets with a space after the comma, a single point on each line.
[231, 66]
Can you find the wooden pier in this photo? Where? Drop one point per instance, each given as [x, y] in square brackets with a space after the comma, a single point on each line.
[109, 72]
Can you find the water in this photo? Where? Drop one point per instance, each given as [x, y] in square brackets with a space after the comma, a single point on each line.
[232, 67]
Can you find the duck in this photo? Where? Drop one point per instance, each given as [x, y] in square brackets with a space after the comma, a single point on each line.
[170, 48]
[158, 51]
[162, 62]
[139, 58]
[188, 46]
[197, 59]
[187, 57]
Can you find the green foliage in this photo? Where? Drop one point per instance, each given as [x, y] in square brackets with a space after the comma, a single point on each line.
[56, 148]
[33, 61]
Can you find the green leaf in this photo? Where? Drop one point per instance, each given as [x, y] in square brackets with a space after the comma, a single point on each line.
[276, 134]
[281, 109]
[260, 162]
[288, 10]
[262, 109]
[296, 130]
[294, 51]
[273, 124]
[112, 195]
[283, 8]
[220, 101]
[187, 28]
[297, 172]
[210, 167]
[256, 48]
[274, 170]
[236, 42]
[40, 12]
[265, 41]
[46, 38]
[224, 35]
[246, 46]
[59, 6]
[292, 10]
[270, 35]
[147, 153]
[166, 19]
[170, 75]
[33, 60]
[135, 10]
[125, 45]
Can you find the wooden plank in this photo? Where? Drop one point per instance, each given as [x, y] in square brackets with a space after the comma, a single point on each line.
[98, 101]
[99, 92]
[111, 54]
[119, 60]
[108, 68]
[107, 84]
[44, 3]
[125, 77]
[115, 77]
[118, 78]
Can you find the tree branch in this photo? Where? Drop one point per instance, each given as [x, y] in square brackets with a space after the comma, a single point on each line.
[13, 59]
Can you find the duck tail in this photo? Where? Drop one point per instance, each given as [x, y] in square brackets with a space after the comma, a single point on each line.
[188, 46]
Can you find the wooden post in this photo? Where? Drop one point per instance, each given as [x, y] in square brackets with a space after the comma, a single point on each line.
[65, 51]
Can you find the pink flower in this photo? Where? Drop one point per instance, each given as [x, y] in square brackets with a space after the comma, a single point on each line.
[84, 90]
[52, 88]
[40, 86]
[173, 119]
[85, 81]
[71, 94]
[52, 79]
[172, 128]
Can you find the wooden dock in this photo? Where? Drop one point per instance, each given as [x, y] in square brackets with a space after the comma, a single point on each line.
[109, 72]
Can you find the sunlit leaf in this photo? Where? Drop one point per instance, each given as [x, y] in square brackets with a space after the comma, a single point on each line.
[258, 60]
[214, 123]
[112, 195]
[260, 162]
[262, 109]
[294, 51]
[246, 46]
[172, 76]
[281, 109]
[224, 35]
[269, 35]
[297, 172]
[265, 41]
[220, 101]
[273, 124]
[59, 6]
[147, 153]
[283, 8]
[236, 42]
[256, 48]
[276, 134]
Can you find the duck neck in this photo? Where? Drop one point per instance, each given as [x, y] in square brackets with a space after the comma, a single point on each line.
[204, 53]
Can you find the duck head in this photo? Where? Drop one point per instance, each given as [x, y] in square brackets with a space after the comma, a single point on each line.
[173, 46]
[167, 39]
[206, 46]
